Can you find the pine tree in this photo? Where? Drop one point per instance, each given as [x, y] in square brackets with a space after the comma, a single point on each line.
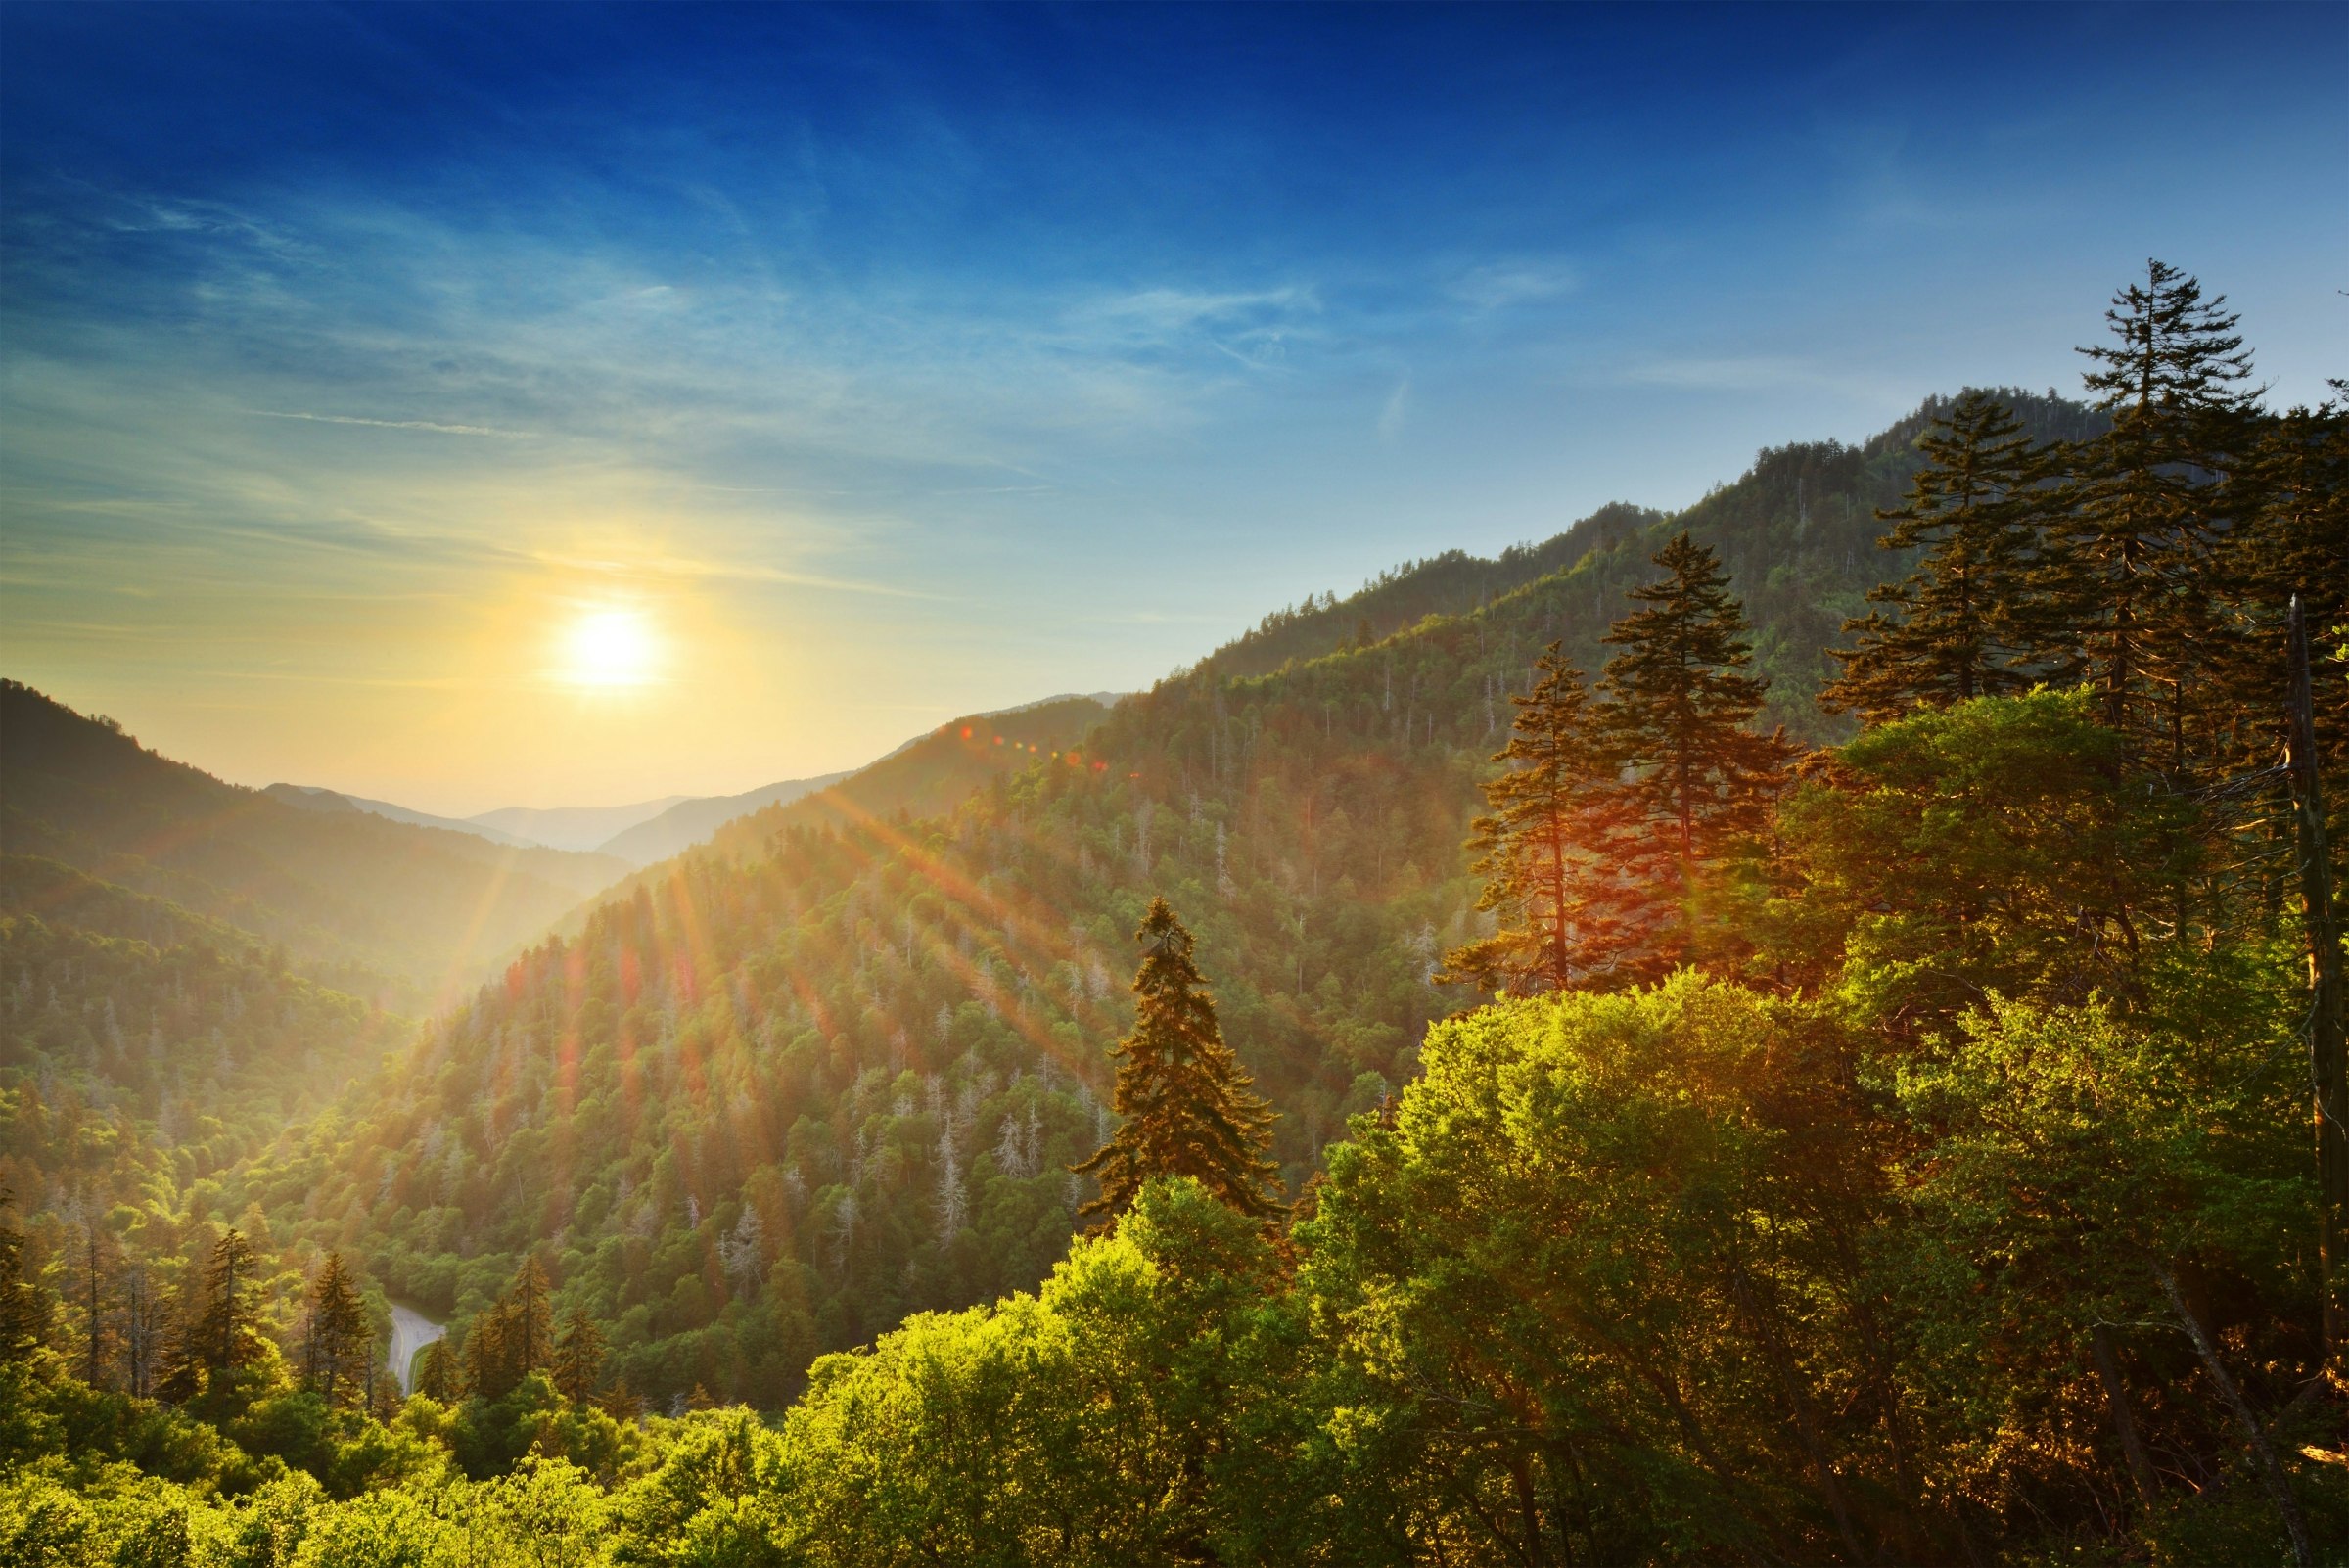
[1188, 1108]
[1569, 862]
[2297, 544]
[224, 1334]
[579, 1357]
[618, 1401]
[1967, 623]
[437, 1374]
[99, 1339]
[1681, 701]
[336, 1346]
[2135, 571]
[23, 1306]
[513, 1337]
[529, 1319]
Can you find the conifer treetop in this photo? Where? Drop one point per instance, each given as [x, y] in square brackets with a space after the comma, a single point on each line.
[1971, 620]
[1680, 698]
[1570, 858]
[1187, 1107]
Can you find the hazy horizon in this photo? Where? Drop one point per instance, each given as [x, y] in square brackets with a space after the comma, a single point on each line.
[469, 409]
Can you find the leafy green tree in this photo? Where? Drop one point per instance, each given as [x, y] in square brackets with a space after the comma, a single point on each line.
[1680, 702]
[2090, 1179]
[1570, 864]
[1187, 1106]
[1591, 1284]
[2004, 844]
[1967, 623]
[1136, 1409]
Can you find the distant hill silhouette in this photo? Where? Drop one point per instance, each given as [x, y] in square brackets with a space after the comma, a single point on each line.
[317, 797]
[572, 827]
[418, 908]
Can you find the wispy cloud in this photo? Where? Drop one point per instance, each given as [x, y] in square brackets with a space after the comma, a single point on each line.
[1502, 285]
[397, 424]
[1397, 409]
[1252, 326]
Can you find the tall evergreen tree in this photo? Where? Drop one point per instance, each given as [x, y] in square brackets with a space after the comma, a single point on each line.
[219, 1329]
[437, 1374]
[99, 1338]
[227, 1331]
[579, 1357]
[513, 1337]
[1968, 622]
[2297, 543]
[23, 1306]
[1680, 702]
[1187, 1107]
[1570, 860]
[2148, 503]
[338, 1338]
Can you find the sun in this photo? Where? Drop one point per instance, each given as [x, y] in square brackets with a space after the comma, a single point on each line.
[610, 646]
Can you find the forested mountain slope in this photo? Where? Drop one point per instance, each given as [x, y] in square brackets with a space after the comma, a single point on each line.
[827, 1070]
[418, 908]
[1798, 531]
[688, 822]
[143, 1051]
[933, 774]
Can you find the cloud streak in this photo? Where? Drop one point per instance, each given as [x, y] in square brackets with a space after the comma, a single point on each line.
[397, 424]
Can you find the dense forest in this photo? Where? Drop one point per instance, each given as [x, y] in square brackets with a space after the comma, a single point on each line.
[1778, 1032]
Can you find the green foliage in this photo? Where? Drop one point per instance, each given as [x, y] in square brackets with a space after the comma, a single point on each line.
[2000, 846]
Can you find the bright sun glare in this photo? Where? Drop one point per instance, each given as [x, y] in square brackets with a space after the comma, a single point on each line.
[610, 647]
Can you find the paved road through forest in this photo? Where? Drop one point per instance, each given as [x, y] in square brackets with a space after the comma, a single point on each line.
[412, 1332]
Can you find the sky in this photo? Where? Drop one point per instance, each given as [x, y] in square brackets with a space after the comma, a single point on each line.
[557, 406]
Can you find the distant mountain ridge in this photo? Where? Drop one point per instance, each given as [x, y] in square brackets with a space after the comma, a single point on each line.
[573, 827]
[1817, 499]
[396, 909]
[690, 821]
[318, 798]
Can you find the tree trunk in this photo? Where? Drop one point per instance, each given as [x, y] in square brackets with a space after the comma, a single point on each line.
[2328, 1051]
[2263, 1453]
[2124, 1425]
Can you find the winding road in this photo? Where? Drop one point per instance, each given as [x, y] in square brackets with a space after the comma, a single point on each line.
[412, 1332]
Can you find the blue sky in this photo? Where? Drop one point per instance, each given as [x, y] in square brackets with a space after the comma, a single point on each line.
[893, 363]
